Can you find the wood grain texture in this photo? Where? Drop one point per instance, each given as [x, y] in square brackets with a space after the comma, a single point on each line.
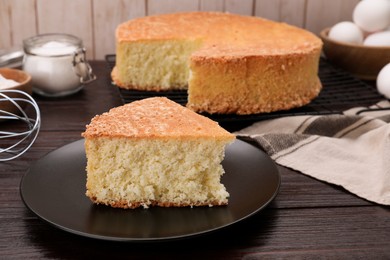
[293, 12]
[288, 11]
[321, 14]
[171, 6]
[71, 17]
[17, 22]
[106, 16]
[5, 28]
[212, 5]
[244, 7]
[268, 9]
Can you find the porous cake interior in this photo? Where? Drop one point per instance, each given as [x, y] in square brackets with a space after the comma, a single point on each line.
[159, 64]
[130, 173]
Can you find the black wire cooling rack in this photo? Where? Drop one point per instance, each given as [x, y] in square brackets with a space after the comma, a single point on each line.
[340, 91]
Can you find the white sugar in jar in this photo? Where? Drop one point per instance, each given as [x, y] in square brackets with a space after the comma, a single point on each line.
[57, 64]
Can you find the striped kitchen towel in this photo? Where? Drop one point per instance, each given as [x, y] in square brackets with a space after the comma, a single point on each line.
[351, 149]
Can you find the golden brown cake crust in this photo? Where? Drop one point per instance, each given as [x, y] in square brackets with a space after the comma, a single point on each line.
[281, 82]
[236, 106]
[156, 117]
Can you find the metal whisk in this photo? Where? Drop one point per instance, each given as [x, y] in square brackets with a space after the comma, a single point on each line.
[15, 143]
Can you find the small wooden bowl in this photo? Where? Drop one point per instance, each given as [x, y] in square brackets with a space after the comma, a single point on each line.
[25, 85]
[364, 62]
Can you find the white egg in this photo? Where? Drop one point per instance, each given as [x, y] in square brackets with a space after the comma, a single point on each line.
[346, 32]
[383, 81]
[372, 15]
[378, 39]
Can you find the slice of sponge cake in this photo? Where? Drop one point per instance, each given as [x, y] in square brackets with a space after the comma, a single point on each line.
[155, 152]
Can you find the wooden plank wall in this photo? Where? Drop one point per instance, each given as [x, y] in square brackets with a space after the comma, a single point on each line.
[94, 21]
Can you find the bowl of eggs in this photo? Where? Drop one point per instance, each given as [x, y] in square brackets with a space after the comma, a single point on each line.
[361, 46]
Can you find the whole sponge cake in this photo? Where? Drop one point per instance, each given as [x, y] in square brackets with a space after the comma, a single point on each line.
[155, 152]
[229, 63]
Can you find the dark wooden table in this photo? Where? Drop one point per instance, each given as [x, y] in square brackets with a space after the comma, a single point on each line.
[308, 219]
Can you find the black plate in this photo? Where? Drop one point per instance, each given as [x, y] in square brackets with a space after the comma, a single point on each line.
[54, 189]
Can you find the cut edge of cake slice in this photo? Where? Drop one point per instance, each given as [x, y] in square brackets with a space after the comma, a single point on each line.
[155, 152]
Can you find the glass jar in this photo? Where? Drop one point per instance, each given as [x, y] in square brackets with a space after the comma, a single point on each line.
[57, 64]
